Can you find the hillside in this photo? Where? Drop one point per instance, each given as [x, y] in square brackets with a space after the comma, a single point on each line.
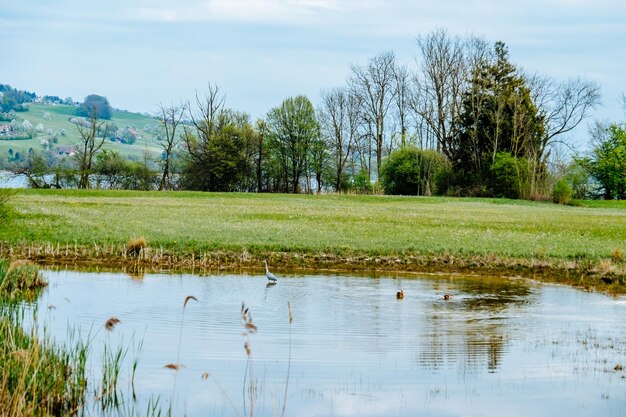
[55, 119]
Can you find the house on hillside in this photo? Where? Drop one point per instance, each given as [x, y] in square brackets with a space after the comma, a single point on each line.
[133, 133]
[5, 129]
[66, 150]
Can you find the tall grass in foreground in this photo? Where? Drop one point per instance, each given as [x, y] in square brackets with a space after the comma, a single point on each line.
[38, 378]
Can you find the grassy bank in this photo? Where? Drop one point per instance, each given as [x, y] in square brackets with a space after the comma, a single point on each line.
[578, 245]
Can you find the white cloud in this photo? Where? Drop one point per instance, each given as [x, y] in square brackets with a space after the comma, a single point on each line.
[263, 50]
[266, 11]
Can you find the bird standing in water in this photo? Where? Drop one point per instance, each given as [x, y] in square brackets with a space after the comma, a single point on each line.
[270, 277]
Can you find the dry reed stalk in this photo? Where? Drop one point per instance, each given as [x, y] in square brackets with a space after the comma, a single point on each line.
[135, 246]
[17, 263]
[617, 255]
[111, 323]
[289, 360]
[189, 297]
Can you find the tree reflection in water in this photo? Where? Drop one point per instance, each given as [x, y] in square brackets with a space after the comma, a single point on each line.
[471, 330]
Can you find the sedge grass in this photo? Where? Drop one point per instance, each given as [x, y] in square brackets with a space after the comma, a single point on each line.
[36, 378]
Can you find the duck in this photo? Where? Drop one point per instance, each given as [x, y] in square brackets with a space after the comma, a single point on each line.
[447, 297]
[400, 295]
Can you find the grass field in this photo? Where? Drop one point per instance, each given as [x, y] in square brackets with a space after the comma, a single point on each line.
[348, 232]
[59, 116]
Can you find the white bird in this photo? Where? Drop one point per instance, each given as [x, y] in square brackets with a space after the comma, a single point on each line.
[270, 277]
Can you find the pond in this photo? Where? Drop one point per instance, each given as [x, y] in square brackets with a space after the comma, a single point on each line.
[497, 347]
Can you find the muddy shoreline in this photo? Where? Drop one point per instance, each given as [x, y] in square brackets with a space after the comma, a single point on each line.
[604, 276]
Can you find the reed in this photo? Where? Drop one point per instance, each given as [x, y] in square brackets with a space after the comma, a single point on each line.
[288, 361]
[19, 279]
[249, 387]
[135, 246]
[36, 378]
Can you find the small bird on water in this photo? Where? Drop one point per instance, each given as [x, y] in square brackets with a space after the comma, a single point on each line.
[400, 295]
[447, 297]
[270, 277]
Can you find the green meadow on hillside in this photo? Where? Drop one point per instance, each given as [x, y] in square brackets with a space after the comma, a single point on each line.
[58, 120]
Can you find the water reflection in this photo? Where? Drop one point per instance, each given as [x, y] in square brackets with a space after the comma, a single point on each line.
[355, 348]
[473, 326]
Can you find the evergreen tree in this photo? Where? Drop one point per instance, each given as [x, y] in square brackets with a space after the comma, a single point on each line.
[498, 115]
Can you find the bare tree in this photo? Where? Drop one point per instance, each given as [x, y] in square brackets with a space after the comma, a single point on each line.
[373, 84]
[402, 85]
[339, 117]
[196, 140]
[563, 105]
[204, 121]
[209, 107]
[169, 118]
[443, 74]
[92, 132]
[261, 128]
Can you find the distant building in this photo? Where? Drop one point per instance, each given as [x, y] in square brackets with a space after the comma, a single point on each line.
[133, 133]
[66, 150]
[5, 129]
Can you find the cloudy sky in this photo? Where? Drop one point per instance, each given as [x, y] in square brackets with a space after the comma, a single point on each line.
[142, 52]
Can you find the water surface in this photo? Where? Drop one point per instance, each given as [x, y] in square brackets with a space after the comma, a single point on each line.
[498, 347]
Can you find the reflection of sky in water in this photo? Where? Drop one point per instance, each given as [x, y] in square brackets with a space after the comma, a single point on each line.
[497, 348]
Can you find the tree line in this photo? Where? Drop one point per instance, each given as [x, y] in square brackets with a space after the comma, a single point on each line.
[464, 120]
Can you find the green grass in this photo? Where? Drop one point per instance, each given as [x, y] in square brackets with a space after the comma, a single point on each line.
[18, 279]
[59, 119]
[188, 222]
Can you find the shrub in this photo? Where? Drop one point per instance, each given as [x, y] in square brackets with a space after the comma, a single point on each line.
[509, 176]
[361, 183]
[579, 179]
[562, 192]
[412, 171]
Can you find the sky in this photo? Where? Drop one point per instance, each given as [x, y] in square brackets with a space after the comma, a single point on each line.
[139, 53]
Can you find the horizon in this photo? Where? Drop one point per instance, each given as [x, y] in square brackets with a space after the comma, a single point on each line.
[259, 52]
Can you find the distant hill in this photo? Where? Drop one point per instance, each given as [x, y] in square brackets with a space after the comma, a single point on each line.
[53, 126]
